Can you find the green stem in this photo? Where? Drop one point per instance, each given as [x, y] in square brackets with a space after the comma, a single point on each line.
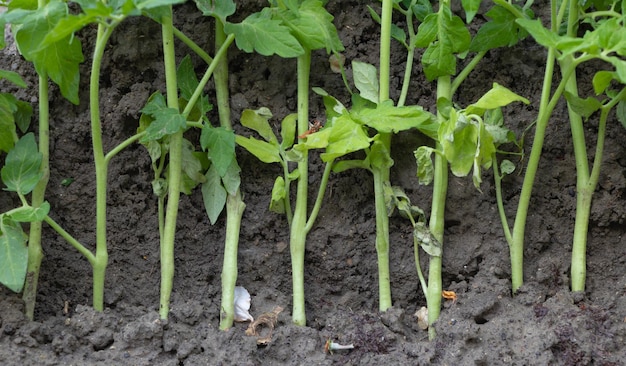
[297, 240]
[193, 46]
[381, 174]
[100, 261]
[175, 170]
[498, 182]
[234, 203]
[35, 252]
[382, 239]
[234, 212]
[320, 196]
[71, 240]
[466, 71]
[437, 219]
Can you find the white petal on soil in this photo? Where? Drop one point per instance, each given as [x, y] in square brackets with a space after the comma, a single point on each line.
[242, 305]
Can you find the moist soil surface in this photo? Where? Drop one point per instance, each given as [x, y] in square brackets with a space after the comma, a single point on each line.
[543, 324]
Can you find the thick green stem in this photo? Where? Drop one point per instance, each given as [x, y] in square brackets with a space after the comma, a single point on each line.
[381, 174]
[516, 246]
[298, 225]
[437, 219]
[101, 259]
[234, 213]
[298, 234]
[175, 170]
[382, 238]
[234, 203]
[35, 252]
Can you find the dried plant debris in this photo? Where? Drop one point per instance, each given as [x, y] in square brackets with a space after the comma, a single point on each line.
[269, 321]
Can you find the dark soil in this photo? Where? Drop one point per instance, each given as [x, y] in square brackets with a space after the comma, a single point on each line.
[544, 324]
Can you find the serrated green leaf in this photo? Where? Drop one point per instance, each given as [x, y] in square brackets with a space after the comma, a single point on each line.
[422, 9]
[59, 59]
[264, 151]
[220, 144]
[366, 80]
[583, 107]
[257, 122]
[13, 77]
[313, 26]
[277, 204]
[425, 170]
[216, 8]
[438, 61]
[167, 121]
[265, 36]
[13, 254]
[497, 96]
[21, 170]
[500, 31]
[213, 195]
[30, 214]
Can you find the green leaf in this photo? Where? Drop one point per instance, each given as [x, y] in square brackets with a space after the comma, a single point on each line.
[259, 123]
[213, 195]
[191, 165]
[21, 170]
[498, 96]
[216, 8]
[333, 107]
[346, 136]
[437, 61]
[388, 118]
[343, 165]
[422, 9]
[264, 151]
[366, 80]
[13, 77]
[29, 214]
[232, 178]
[313, 26]
[151, 4]
[186, 78]
[23, 115]
[620, 112]
[265, 36]
[220, 144]
[288, 131]
[583, 107]
[58, 59]
[426, 240]
[8, 133]
[277, 204]
[13, 254]
[601, 80]
[427, 31]
[542, 35]
[425, 169]
[506, 167]
[471, 8]
[379, 156]
[500, 31]
[167, 121]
